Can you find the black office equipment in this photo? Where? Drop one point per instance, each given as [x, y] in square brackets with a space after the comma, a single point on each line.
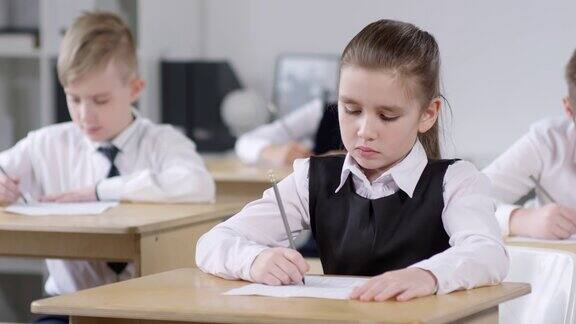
[192, 94]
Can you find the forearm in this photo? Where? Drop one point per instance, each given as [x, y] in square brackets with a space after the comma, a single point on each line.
[477, 261]
[172, 185]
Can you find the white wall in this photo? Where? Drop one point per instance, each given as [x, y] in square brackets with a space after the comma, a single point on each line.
[502, 60]
[166, 30]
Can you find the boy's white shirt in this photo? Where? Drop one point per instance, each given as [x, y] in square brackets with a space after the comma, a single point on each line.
[547, 152]
[156, 164]
[477, 255]
[302, 124]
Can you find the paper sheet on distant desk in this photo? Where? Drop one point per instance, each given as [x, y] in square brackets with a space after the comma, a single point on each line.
[316, 286]
[42, 209]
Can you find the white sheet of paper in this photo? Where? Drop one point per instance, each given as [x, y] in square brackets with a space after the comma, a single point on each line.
[43, 209]
[316, 287]
[570, 240]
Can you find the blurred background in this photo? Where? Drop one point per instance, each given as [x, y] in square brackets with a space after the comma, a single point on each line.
[212, 66]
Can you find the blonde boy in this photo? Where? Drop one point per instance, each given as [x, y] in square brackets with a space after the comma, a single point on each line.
[107, 152]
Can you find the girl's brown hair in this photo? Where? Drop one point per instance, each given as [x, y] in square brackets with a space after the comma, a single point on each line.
[408, 52]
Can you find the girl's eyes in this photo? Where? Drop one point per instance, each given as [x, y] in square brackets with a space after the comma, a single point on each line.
[75, 100]
[388, 119]
[352, 111]
[100, 102]
[356, 111]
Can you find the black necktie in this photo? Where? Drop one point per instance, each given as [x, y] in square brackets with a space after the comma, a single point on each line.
[110, 152]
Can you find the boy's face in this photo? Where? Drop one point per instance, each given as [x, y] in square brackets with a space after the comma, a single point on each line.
[100, 103]
[379, 120]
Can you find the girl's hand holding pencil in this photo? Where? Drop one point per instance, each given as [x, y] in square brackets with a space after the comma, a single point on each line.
[279, 266]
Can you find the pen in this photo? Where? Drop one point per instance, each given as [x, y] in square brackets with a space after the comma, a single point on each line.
[539, 186]
[6, 174]
[282, 213]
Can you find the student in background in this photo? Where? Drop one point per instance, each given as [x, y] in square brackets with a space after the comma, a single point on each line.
[390, 208]
[108, 151]
[310, 130]
[546, 154]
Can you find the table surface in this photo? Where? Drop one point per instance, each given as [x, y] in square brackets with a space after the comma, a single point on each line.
[190, 295]
[126, 218]
[231, 169]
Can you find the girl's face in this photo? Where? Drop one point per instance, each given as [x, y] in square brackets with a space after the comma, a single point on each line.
[379, 119]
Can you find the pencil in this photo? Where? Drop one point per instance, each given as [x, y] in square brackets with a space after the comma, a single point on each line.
[283, 213]
[539, 186]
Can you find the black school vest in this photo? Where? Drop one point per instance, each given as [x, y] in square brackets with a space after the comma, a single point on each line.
[328, 134]
[359, 236]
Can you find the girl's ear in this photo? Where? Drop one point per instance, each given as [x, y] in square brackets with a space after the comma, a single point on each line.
[568, 108]
[429, 115]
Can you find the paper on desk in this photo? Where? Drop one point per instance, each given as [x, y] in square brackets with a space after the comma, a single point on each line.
[316, 286]
[42, 209]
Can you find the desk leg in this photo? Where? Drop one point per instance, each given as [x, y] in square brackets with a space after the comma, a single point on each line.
[488, 316]
[170, 249]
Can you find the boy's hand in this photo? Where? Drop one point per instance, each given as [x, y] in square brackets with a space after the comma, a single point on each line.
[285, 154]
[552, 222]
[78, 195]
[279, 266]
[402, 284]
[9, 191]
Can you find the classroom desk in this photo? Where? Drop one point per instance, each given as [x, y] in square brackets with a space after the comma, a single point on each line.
[157, 237]
[234, 178]
[188, 295]
[568, 246]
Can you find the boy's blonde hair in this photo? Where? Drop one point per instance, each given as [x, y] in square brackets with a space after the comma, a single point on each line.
[92, 42]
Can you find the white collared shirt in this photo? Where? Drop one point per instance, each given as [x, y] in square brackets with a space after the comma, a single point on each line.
[302, 126]
[548, 153]
[476, 256]
[156, 164]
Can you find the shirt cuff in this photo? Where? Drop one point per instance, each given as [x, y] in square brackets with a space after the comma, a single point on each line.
[249, 149]
[443, 284]
[110, 189]
[503, 213]
[249, 256]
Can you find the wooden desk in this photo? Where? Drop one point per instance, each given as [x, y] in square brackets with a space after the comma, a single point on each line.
[568, 246]
[156, 237]
[234, 178]
[188, 295]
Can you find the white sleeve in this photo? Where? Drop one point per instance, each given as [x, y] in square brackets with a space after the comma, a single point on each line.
[510, 176]
[300, 125]
[229, 249]
[18, 162]
[177, 174]
[477, 255]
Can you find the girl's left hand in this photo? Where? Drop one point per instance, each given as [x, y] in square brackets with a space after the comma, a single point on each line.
[403, 284]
